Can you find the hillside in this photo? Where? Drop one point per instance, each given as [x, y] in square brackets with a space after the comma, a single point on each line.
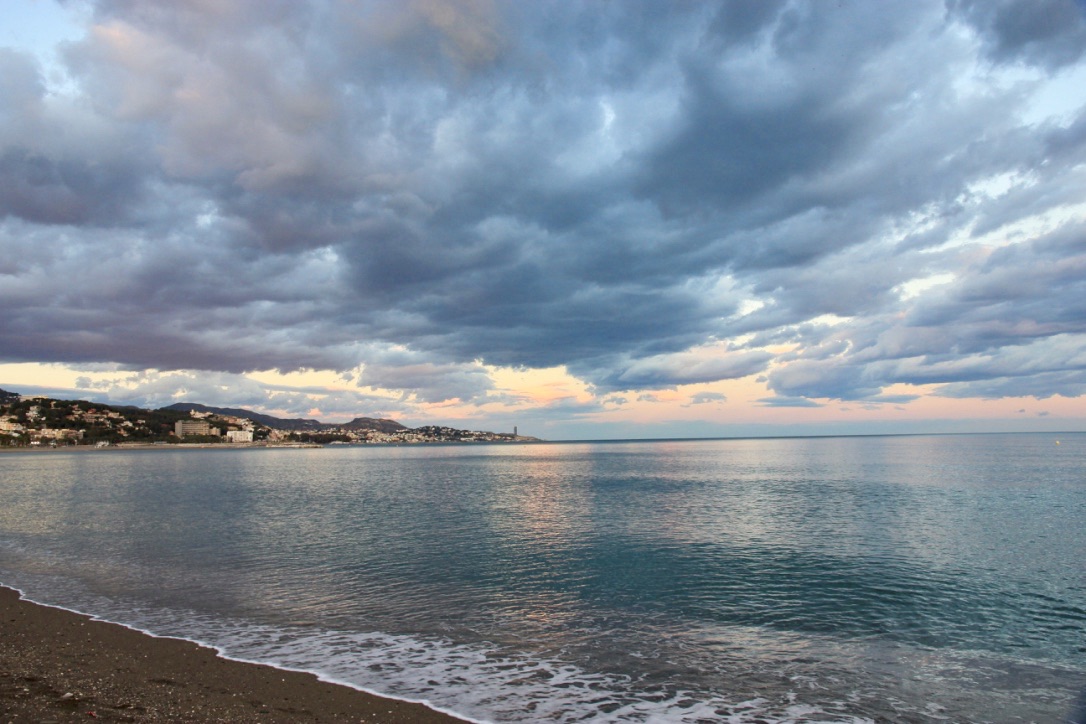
[276, 423]
[370, 423]
[37, 421]
[293, 425]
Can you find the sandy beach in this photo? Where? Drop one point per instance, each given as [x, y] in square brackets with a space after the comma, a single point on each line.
[58, 666]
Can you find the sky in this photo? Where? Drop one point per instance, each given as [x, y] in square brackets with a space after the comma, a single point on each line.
[588, 219]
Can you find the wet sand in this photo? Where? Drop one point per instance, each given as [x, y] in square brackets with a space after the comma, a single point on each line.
[58, 666]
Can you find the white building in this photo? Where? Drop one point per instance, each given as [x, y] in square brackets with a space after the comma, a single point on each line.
[239, 435]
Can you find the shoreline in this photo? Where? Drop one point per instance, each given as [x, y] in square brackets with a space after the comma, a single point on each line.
[127, 446]
[161, 446]
[60, 665]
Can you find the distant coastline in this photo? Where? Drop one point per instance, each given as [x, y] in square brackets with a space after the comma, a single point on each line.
[166, 447]
[44, 422]
[156, 446]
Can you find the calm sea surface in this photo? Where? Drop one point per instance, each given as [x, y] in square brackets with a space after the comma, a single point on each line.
[936, 578]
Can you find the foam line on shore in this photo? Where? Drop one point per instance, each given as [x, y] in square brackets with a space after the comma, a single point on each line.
[484, 680]
[218, 652]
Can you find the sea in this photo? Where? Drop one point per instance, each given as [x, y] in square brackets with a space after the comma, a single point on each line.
[831, 579]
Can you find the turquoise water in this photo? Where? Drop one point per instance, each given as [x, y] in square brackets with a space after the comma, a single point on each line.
[937, 578]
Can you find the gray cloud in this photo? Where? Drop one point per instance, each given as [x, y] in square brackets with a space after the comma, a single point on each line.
[429, 380]
[1049, 32]
[785, 401]
[1041, 386]
[1011, 324]
[687, 368]
[418, 189]
[705, 398]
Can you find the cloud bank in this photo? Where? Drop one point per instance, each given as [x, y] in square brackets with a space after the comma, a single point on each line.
[838, 197]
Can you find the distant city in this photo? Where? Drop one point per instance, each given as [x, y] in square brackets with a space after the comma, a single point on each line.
[35, 422]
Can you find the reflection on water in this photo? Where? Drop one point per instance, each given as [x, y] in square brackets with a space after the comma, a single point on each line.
[873, 577]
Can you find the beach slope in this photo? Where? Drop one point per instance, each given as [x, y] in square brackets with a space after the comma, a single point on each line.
[60, 666]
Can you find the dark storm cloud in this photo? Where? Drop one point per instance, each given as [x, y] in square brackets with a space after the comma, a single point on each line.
[54, 169]
[1049, 32]
[63, 191]
[650, 194]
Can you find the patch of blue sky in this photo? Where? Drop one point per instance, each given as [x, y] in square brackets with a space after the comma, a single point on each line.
[42, 27]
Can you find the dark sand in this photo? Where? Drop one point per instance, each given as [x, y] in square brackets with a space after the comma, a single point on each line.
[58, 666]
